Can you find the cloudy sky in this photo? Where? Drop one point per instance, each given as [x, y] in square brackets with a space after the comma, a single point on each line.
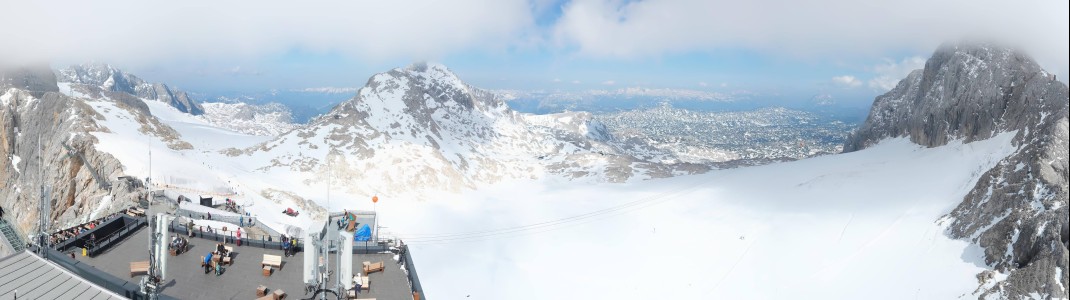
[847, 48]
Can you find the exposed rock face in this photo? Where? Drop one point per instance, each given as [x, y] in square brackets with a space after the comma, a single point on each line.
[83, 181]
[37, 80]
[1018, 210]
[106, 78]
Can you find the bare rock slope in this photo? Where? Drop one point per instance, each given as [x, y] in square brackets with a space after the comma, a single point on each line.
[1018, 211]
[44, 141]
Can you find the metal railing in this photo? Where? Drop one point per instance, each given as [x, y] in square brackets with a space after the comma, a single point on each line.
[251, 240]
[12, 235]
[130, 225]
[410, 268]
[245, 221]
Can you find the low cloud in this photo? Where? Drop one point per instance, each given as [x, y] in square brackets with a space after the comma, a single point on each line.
[889, 73]
[847, 81]
[129, 32]
[609, 82]
[637, 29]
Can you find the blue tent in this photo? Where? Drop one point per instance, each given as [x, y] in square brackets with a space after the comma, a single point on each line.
[364, 233]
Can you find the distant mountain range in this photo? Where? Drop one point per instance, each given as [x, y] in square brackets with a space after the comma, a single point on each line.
[421, 126]
[420, 130]
[97, 78]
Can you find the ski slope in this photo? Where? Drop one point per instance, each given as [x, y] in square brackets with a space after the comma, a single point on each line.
[862, 225]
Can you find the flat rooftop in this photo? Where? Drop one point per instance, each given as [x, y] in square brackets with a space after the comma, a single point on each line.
[185, 278]
[32, 277]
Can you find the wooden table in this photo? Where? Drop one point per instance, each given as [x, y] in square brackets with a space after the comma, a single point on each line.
[139, 268]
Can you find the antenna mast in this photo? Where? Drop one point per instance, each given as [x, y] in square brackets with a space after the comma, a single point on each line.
[44, 205]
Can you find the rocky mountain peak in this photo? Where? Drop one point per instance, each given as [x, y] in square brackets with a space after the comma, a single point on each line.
[427, 96]
[965, 91]
[1017, 211]
[107, 78]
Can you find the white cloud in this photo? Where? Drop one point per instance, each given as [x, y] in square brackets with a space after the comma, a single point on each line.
[556, 80]
[575, 82]
[890, 72]
[847, 81]
[130, 32]
[703, 84]
[609, 82]
[828, 28]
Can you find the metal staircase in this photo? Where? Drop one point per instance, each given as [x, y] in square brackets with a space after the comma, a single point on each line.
[12, 237]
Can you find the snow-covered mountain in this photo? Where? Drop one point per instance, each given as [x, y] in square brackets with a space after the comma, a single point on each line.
[514, 199]
[92, 79]
[1018, 210]
[269, 119]
[422, 128]
[46, 140]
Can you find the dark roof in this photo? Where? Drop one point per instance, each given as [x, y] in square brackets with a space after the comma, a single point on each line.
[35, 278]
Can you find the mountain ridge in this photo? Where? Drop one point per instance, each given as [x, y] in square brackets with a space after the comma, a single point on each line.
[445, 134]
[1017, 212]
[94, 78]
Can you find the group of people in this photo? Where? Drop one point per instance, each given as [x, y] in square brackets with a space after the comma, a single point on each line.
[210, 264]
[348, 221]
[61, 236]
[289, 246]
[231, 206]
[178, 244]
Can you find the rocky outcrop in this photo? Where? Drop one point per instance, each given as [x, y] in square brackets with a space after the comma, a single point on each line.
[1018, 210]
[44, 141]
[106, 78]
[36, 79]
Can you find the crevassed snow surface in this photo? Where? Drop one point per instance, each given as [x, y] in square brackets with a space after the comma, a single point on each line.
[854, 226]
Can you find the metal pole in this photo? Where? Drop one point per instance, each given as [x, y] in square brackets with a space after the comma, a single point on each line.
[375, 221]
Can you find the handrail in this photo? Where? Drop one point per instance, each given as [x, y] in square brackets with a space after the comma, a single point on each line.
[410, 269]
[250, 221]
[115, 237]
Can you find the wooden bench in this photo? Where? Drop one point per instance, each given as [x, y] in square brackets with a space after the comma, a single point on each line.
[370, 267]
[139, 268]
[261, 291]
[365, 283]
[278, 294]
[229, 249]
[272, 260]
[267, 271]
